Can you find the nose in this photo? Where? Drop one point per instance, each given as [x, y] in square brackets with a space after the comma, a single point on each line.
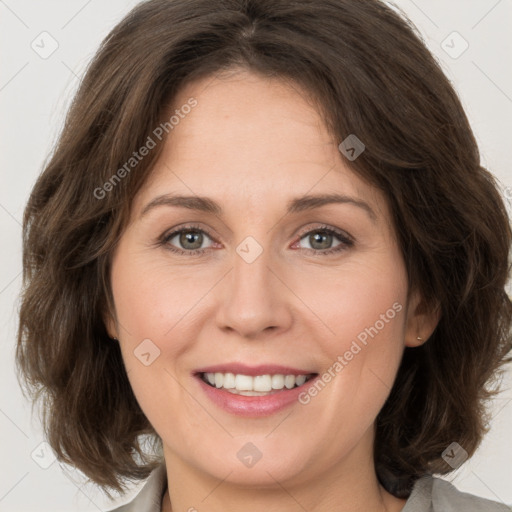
[255, 298]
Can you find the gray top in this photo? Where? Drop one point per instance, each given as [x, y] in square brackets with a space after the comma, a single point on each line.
[430, 494]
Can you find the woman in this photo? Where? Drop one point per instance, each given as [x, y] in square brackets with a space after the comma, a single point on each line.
[329, 339]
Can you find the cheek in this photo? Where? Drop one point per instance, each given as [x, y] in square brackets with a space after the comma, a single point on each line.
[155, 314]
[363, 316]
[363, 300]
[158, 309]
[151, 299]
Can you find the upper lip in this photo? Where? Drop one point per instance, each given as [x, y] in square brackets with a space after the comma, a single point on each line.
[262, 369]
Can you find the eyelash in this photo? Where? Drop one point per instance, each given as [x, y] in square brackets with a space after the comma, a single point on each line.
[346, 240]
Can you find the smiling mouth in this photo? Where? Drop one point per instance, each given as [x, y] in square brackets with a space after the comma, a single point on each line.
[258, 385]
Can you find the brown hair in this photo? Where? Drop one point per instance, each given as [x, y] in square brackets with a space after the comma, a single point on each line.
[372, 76]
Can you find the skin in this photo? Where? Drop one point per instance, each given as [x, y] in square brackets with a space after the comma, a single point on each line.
[251, 144]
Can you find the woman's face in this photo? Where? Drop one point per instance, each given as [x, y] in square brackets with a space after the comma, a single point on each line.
[265, 279]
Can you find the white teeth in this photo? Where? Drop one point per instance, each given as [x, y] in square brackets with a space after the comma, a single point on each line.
[229, 381]
[244, 382]
[262, 383]
[277, 381]
[251, 386]
[289, 381]
[300, 379]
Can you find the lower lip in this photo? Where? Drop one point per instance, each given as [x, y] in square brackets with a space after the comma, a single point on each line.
[253, 406]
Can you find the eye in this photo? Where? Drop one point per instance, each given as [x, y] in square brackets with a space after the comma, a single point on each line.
[320, 240]
[189, 238]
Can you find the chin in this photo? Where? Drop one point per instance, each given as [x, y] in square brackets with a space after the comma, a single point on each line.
[256, 461]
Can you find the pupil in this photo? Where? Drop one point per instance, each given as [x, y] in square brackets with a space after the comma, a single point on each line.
[188, 236]
[316, 236]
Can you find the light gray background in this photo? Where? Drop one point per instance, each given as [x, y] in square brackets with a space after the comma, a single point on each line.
[34, 94]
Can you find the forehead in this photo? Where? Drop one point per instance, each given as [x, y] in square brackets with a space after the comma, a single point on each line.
[252, 139]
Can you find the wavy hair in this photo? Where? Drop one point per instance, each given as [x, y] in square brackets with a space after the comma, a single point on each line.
[370, 74]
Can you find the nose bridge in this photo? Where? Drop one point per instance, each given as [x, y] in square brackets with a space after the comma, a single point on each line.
[251, 272]
[255, 298]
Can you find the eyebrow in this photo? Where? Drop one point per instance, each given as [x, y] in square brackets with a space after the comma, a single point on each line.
[299, 204]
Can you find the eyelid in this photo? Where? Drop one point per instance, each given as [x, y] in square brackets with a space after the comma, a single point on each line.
[339, 232]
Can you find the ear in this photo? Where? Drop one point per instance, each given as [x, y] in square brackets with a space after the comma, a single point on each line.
[421, 320]
[110, 325]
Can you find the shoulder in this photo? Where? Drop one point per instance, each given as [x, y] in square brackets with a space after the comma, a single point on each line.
[446, 495]
[432, 494]
[149, 498]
